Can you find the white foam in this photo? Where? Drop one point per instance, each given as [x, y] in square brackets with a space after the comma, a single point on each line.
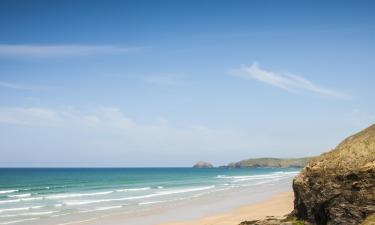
[186, 190]
[74, 195]
[178, 191]
[109, 207]
[151, 202]
[19, 209]
[102, 208]
[133, 189]
[10, 201]
[28, 214]
[30, 199]
[7, 191]
[20, 200]
[20, 195]
[257, 177]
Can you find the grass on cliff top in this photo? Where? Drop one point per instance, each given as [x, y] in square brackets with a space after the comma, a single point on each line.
[294, 220]
[370, 220]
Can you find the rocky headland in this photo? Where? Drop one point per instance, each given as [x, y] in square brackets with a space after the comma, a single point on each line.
[270, 162]
[338, 187]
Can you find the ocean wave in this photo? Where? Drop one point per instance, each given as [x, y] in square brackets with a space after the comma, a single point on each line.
[29, 214]
[7, 191]
[9, 201]
[247, 176]
[20, 200]
[289, 172]
[20, 209]
[103, 208]
[257, 177]
[74, 195]
[133, 189]
[30, 199]
[162, 193]
[20, 195]
[109, 207]
[186, 190]
[152, 202]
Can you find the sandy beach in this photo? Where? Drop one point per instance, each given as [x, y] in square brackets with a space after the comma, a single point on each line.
[278, 206]
[222, 208]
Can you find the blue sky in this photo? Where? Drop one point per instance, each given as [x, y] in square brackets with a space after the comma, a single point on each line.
[167, 83]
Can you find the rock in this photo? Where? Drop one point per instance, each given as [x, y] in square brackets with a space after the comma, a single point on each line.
[338, 187]
[203, 164]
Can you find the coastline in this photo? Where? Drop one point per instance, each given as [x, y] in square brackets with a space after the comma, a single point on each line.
[224, 208]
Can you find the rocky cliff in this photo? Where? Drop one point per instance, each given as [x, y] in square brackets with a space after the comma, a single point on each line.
[338, 187]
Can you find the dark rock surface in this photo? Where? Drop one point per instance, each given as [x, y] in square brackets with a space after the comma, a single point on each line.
[338, 187]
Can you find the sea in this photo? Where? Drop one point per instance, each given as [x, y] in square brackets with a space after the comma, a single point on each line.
[60, 196]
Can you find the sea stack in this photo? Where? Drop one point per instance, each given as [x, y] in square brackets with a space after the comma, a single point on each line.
[203, 164]
[338, 187]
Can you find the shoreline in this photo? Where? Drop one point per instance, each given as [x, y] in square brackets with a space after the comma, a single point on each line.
[277, 206]
[228, 208]
[243, 197]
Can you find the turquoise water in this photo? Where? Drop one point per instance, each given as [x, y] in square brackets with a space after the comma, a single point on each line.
[44, 196]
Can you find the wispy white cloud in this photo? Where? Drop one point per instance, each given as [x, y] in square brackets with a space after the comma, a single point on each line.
[286, 81]
[60, 50]
[4, 84]
[30, 116]
[39, 116]
[113, 122]
[11, 85]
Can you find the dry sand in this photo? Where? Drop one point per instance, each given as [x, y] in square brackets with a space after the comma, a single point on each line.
[278, 206]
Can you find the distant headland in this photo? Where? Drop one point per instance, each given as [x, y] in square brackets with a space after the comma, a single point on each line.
[261, 162]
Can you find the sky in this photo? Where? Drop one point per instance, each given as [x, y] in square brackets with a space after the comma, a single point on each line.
[167, 83]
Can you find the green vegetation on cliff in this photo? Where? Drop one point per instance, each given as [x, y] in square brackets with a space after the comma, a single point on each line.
[369, 220]
[270, 162]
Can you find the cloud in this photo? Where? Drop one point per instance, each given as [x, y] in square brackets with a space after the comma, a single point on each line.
[30, 116]
[285, 81]
[39, 116]
[123, 130]
[60, 50]
[4, 84]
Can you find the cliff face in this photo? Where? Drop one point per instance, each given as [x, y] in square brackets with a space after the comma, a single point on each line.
[338, 187]
[270, 162]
